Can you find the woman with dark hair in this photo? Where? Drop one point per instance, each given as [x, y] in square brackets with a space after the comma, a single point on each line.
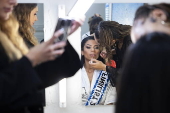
[114, 38]
[150, 18]
[96, 87]
[144, 83]
[143, 86]
[93, 23]
[26, 18]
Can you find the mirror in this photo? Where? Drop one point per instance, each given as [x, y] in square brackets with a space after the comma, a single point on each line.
[93, 81]
[39, 25]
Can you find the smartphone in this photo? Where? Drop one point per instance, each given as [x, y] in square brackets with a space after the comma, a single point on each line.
[63, 23]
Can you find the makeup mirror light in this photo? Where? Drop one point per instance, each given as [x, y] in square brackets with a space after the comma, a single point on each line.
[76, 10]
[62, 83]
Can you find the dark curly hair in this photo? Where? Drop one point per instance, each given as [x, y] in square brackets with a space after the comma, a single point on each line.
[109, 31]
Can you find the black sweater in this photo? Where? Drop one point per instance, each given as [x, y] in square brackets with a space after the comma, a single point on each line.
[118, 58]
[20, 82]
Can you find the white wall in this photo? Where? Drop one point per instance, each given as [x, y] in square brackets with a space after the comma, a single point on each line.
[124, 13]
[95, 8]
[73, 84]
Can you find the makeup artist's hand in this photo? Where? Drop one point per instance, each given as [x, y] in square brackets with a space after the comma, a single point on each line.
[98, 65]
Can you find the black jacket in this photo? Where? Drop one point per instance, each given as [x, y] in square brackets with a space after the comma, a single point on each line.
[40, 94]
[20, 82]
[118, 58]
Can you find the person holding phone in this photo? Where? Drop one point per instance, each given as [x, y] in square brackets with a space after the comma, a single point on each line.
[26, 19]
[96, 87]
[23, 72]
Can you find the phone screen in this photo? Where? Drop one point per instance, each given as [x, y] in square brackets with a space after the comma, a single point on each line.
[63, 24]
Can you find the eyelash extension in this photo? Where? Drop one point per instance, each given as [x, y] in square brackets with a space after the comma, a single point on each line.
[96, 47]
[93, 47]
[88, 47]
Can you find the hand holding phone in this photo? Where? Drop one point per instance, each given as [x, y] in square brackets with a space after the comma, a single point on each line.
[65, 24]
[70, 25]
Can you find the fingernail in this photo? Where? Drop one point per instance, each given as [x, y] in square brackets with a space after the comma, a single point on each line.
[63, 42]
[61, 30]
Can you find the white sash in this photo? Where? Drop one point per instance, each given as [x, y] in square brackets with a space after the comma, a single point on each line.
[98, 89]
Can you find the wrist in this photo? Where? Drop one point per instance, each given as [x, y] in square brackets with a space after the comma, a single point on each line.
[32, 60]
[104, 67]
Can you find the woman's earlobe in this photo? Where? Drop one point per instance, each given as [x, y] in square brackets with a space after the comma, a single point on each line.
[158, 13]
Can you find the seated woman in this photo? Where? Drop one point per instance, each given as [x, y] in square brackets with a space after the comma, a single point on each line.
[96, 86]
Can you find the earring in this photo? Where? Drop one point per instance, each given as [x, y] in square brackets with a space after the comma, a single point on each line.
[165, 23]
[162, 22]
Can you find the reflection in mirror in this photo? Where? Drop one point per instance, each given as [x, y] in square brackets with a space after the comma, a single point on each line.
[107, 45]
[30, 17]
[122, 13]
[96, 87]
[98, 8]
[31, 22]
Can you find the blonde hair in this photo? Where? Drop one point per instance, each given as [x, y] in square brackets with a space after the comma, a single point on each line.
[10, 39]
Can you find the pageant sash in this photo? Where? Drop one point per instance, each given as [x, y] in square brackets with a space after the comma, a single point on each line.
[98, 89]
